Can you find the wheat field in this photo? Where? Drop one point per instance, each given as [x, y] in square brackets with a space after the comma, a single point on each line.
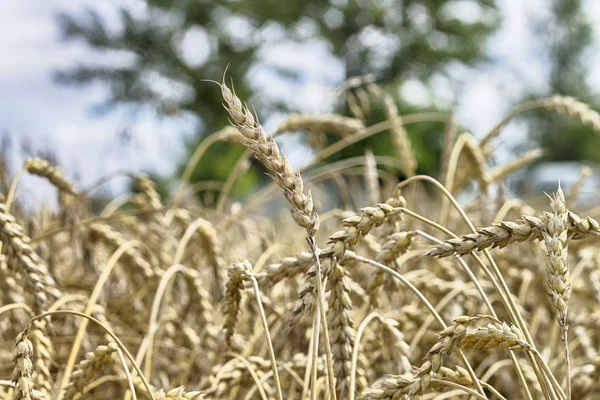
[413, 296]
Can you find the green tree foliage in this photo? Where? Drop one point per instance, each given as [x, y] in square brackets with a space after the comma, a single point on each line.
[394, 40]
[565, 36]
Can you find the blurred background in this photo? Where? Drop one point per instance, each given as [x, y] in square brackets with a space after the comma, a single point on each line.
[99, 85]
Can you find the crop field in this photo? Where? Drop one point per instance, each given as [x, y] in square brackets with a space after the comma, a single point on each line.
[335, 281]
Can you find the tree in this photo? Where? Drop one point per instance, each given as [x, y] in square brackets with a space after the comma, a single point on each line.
[565, 35]
[395, 41]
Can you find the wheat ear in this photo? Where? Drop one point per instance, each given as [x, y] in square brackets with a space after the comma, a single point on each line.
[372, 177]
[477, 163]
[148, 189]
[179, 393]
[505, 170]
[575, 189]
[238, 273]
[87, 368]
[21, 257]
[42, 168]
[400, 139]
[501, 234]
[211, 246]
[465, 334]
[342, 332]
[575, 108]
[328, 123]
[115, 240]
[395, 244]
[557, 269]
[23, 367]
[42, 357]
[267, 152]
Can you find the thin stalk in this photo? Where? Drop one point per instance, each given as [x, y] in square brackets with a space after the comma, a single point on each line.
[458, 386]
[236, 172]
[530, 105]
[191, 165]
[263, 317]
[310, 373]
[567, 366]
[321, 305]
[354, 362]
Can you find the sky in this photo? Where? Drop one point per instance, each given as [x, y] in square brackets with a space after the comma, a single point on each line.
[47, 115]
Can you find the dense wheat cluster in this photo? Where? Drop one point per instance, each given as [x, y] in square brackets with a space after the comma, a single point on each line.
[373, 288]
